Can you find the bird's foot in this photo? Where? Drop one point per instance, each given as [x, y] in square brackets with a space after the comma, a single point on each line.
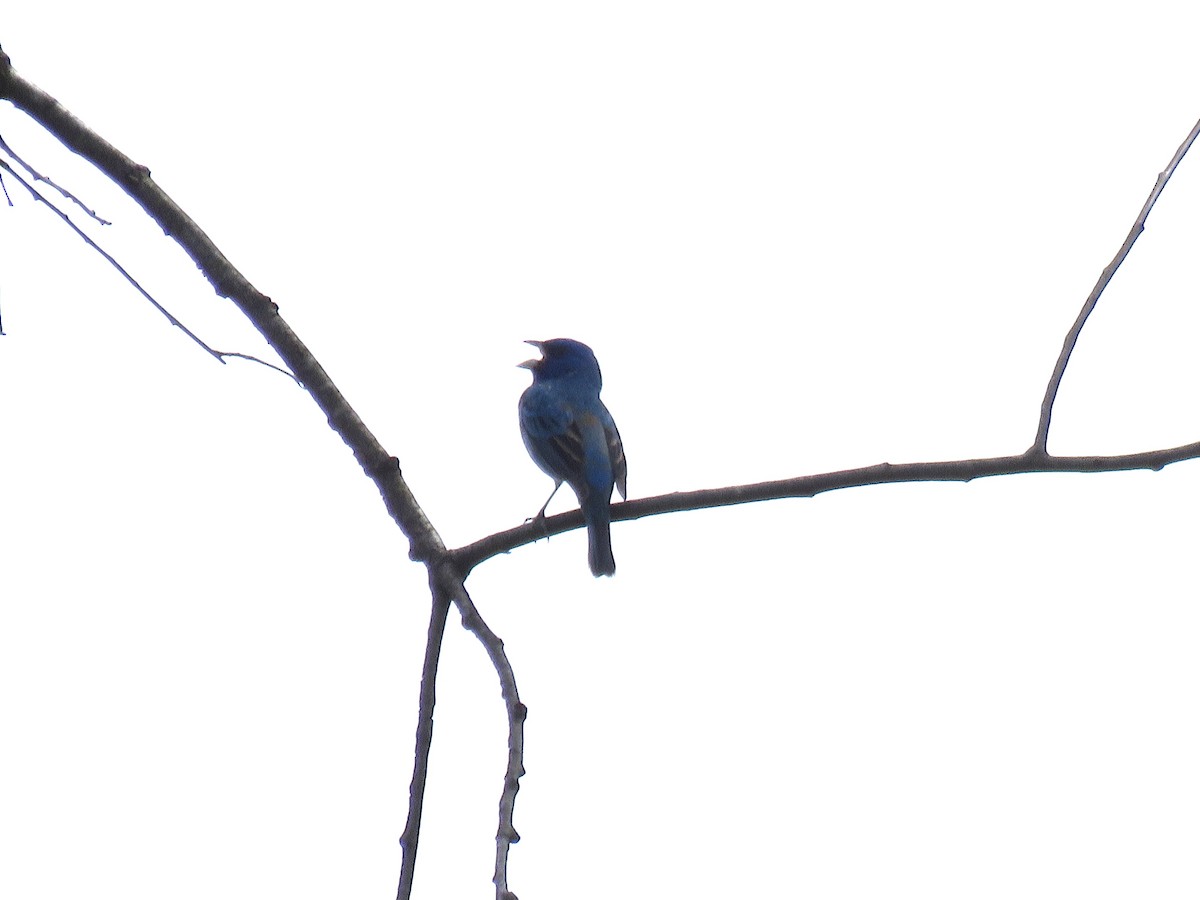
[539, 522]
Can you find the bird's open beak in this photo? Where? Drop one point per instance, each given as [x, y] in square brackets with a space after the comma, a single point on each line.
[532, 364]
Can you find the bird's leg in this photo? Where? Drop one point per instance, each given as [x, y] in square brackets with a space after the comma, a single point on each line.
[540, 518]
[541, 514]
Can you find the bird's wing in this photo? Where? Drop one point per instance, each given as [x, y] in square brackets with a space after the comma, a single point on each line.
[550, 434]
[566, 452]
[616, 455]
[572, 442]
[582, 455]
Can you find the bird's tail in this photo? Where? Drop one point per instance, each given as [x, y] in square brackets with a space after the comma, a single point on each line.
[600, 557]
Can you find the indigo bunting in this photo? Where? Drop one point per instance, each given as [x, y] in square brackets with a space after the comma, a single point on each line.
[572, 437]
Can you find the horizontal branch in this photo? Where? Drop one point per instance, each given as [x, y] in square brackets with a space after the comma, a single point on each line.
[1029, 462]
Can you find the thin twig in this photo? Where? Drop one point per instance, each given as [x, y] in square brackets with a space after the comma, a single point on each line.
[38, 176]
[225, 354]
[111, 261]
[219, 355]
[1139, 225]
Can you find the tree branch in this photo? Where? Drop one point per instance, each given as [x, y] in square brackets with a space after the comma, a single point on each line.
[1029, 462]
[1139, 225]
[448, 569]
[135, 180]
[506, 833]
[38, 176]
[425, 544]
[218, 355]
[428, 698]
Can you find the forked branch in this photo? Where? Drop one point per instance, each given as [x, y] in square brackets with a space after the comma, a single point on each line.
[448, 569]
[1139, 225]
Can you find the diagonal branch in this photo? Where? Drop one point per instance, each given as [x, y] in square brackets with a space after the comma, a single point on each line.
[425, 545]
[1139, 225]
[135, 180]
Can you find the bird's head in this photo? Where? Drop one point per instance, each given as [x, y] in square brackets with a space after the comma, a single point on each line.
[563, 358]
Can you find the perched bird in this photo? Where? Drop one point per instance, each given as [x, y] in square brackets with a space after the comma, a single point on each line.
[571, 436]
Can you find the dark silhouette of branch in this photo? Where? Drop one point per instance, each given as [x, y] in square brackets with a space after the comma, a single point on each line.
[425, 545]
[38, 176]
[1035, 459]
[135, 180]
[219, 355]
[108, 257]
[410, 838]
[506, 834]
[1139, 225]
[446, 585]
[1029, 462]
[448, 569]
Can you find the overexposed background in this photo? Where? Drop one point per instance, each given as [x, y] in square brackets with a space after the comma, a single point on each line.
[800, 237]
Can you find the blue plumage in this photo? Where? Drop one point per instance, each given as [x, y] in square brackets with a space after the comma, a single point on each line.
[572, 437]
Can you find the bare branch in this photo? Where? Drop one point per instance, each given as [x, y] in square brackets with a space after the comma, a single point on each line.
[38, 176]
[416, 789]
[1030, 461]
[425, 545]
[86, 238]
[506, 833]
[135, 180]
[1139, 225]
[448, 569]
[446, 585]
[219, 355]
[228, 354]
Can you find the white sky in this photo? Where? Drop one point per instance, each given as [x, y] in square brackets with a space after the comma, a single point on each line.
[800, 237]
